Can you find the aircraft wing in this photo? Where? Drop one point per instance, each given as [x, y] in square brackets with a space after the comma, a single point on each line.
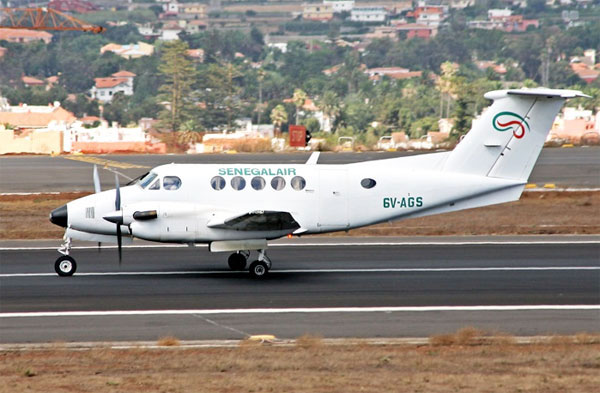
[258, 220]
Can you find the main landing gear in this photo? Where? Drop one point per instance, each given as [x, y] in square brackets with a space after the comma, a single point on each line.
[258, 268]
[65, 265]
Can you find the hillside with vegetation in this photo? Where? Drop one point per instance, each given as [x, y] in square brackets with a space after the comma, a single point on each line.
[241, 75]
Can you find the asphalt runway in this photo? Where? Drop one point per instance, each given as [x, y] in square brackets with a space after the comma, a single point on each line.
[344, 290]
[573, 167]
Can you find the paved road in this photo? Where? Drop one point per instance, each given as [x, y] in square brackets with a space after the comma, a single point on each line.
[578, 167]
[318, 277]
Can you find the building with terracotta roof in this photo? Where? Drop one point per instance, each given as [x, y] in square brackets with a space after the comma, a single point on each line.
[31, 81]
[77, 6]
[34, 116]
[375, 74]
[576, 125]
[196, 55]
[105, 89]
[415, 30]
[24, 35]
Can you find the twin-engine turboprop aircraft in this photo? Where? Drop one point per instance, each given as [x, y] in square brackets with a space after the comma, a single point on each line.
[239, 208]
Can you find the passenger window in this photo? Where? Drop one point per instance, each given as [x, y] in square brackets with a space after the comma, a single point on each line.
[218, 183]
[258, 183]
[368, 183]
[171, 183]
[238, 183]
[155, 185]
[278, 183]
[298, 183]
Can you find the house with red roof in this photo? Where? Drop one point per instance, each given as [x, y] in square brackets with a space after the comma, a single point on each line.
[105, 89]
[24, 35]
[375, 74]
[30, 81]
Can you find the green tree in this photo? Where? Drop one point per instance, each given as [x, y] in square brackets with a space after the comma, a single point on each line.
[279, 116]
[179, 77]
[220, 93]
[299, 99]
[329, 103]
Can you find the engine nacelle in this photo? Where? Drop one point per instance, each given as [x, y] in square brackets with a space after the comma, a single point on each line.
[164, 221]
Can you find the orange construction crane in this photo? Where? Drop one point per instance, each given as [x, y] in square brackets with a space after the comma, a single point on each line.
[43, 19]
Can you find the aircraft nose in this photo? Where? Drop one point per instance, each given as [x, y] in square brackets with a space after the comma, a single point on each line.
[59, 216]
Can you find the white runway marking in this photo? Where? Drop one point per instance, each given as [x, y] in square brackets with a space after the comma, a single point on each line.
[307, 310]
[332, 244]
[374, 270]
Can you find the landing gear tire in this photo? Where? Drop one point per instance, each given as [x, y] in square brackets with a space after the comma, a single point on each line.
[65, 266]
[259, 269]
[237, 261]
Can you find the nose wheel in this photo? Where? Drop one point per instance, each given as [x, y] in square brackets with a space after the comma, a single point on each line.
[65, 266]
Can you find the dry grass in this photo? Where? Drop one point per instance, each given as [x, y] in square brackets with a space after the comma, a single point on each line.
[541, 367]
[168, 341]
[309, 341]
[26, 217]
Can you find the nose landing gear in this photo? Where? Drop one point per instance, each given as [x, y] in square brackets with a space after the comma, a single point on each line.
[65, 265]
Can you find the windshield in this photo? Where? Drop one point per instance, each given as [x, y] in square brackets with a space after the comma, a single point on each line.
[147, 179]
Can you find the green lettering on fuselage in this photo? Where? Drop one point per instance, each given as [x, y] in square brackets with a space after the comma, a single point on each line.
[257, 171]
[402, 202]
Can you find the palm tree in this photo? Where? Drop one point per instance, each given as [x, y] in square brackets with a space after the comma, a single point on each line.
[447, 85]
[330, 105]
[278, 117]
[188, 133]
[299, 99]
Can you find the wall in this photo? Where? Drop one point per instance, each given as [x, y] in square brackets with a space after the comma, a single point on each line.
[38, 142]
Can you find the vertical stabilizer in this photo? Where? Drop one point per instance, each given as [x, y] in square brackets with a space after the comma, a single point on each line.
[506, 141]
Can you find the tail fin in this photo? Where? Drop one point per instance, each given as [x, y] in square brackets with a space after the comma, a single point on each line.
[506, 141]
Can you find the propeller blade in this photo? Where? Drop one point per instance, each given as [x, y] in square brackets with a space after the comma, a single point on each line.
[118, 194]
[119, 243]
[96, 180]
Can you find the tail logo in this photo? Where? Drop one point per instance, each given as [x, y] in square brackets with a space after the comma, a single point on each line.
[505, 121]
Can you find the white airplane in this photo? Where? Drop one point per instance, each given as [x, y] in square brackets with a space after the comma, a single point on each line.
[239, 208]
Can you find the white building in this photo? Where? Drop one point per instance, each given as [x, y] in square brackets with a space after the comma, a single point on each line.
[368, 14]
[431, 19]
[499, 13]
[104, 89]
[341, 5]
[103, 134]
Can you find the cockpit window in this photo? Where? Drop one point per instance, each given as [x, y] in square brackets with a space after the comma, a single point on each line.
[171, 183]
[146, 180]
[155, 185]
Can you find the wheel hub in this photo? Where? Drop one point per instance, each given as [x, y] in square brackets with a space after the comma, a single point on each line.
[65, 266]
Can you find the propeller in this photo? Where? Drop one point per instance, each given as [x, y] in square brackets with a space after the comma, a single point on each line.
[119, 222]
[97, 189]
